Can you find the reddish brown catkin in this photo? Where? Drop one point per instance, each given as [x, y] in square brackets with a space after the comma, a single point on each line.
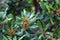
[25, 23]
[11, 32]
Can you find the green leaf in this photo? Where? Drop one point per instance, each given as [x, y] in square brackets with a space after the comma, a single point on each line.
[6, 20]
[21, 37]
[10, 16]
[9, 23]
[47, 27]
[32, 14]
[32, 20]
[40, 25]
[9, 37]
[58, 18]
[43, 5]
[48, 8]
[58, 38]
[15, 38]
[40, 36]
[51, 19]
[49, 33]
[5, 38]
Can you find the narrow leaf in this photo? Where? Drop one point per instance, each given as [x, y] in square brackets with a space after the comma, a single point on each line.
[40, 25]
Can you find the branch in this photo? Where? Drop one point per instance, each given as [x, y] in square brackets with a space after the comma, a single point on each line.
[37, 6]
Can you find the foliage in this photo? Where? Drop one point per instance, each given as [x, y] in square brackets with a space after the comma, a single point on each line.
[30, 20]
